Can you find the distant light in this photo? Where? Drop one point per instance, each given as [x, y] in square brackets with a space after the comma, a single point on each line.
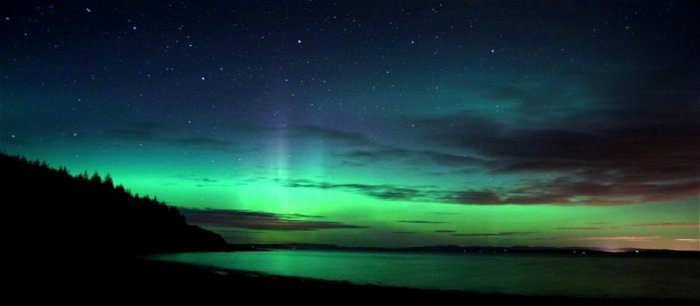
[298, 41]
[204, 78]
[493, 50]
[88, 10]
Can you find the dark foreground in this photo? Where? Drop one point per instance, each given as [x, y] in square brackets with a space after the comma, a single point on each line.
[147, 280]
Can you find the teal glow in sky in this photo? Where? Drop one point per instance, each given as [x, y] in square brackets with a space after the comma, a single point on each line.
[393, 123]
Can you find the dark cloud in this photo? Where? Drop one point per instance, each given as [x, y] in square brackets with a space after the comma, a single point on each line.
[313, 131]
[157, 133]
[198, 179]
[530, 196]
[203, 181]
[360, 150]
[568, 191]
[421, 222]
[604, 238]
[368, 156]
[382, 154]
[257, 220]
[141, 131]
[301, 216]
[639, 144]
[499, 234]
[387, 192]
[203, 142]
[669, 224]
[560, 191]
[619, 136]
[587, 228]
[472, 197]
[522, 196]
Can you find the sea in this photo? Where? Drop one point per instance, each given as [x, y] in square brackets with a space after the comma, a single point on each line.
[627, 276]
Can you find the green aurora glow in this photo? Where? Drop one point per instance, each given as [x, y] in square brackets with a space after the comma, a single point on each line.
[431, 133]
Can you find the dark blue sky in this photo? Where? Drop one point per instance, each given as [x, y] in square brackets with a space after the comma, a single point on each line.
[369, 112]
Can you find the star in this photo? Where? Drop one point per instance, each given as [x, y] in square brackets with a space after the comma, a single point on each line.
[429, 120]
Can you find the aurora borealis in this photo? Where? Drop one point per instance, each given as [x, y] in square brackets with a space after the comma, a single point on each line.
[373, 123]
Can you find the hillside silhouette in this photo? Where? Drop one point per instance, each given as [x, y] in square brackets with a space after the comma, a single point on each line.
[49, 209]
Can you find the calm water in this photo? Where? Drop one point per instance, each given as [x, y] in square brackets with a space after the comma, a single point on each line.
[590, 276]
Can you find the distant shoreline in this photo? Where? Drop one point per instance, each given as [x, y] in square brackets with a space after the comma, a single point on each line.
[454, 249]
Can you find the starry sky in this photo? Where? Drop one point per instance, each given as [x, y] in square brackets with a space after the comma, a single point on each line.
[373, 123]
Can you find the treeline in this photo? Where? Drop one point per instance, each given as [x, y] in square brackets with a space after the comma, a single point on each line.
[48, 208]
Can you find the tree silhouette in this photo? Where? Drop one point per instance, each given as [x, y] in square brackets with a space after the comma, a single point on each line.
[87, 213]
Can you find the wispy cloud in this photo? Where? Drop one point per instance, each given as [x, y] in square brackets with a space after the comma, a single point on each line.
[670, 224]
[202, 142]
[202, 181]
[382, 153]
[608, 238]
[329, 134]
[559, 192]
[258, 220]
[357, 149]
[387, 192]
[622, 156]
[157, 133]
[499, 234]
[587, 228]
[421, 222]
[639, 145]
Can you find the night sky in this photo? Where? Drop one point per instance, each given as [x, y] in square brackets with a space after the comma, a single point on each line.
[373, 123]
